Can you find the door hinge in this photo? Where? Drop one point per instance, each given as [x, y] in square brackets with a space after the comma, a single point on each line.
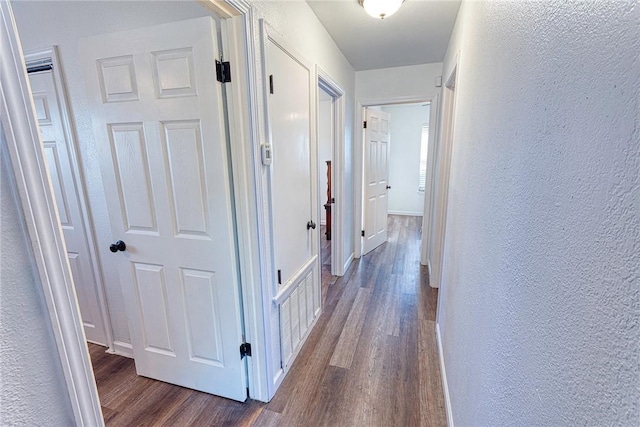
[333, 200]
[245, 349]
[362, 233]
[223, 71]
[271, 84]
[279, 277]
[364, 124]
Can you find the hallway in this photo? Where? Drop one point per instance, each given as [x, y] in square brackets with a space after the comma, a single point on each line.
[371, 360]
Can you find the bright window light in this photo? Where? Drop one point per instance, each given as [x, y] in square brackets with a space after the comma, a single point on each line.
[424, 146]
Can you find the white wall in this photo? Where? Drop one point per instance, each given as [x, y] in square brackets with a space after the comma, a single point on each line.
[404, 158]
[47, 23]
[32, 386]
[413, 81]
[325, 142]
[540, 301]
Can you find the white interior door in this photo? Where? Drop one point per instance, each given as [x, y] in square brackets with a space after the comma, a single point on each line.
[289, 103]
[376, 174]
[58, 151]
[158, 121]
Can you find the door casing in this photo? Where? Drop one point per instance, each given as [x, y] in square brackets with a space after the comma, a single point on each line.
[338, 264]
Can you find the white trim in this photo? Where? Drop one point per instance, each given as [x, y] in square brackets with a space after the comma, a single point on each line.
[434, 125]
[330, 86]
[121, 349]
[404, 213]
[247, 192]
[27, 157]
[287, 288]
[79, 183]
[443, 373]
[440, 181]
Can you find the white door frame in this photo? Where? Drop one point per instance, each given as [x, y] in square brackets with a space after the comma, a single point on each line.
[27, 158]
[446, 134]
[79, 181]
[329, 85]
[358, 170]
[440, 181]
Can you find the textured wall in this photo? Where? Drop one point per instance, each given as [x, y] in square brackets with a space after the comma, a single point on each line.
[540, 301]
[42, 24]
[32, 387]
[404, 158]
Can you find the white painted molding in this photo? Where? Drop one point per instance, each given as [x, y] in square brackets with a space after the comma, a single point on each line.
[242, 101]
[434, 137]
[287, 288]
[27, 157]
[121, 349]
[445, 384]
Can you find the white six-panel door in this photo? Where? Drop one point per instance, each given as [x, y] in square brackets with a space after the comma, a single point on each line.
[57, 152]
[158, 121]
[376, 173]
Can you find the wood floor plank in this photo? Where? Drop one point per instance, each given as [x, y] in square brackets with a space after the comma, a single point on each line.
[343, 353]
[371, 359]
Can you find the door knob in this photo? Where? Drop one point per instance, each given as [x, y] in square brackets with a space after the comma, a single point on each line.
[311, 224]
[388, 187]
[118, 246]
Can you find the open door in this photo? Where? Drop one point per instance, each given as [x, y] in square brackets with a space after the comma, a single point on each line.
[157, 114]
[58, 150]
[376, 175]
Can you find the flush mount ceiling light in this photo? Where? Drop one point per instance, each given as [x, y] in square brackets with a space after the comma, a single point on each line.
[381, 8]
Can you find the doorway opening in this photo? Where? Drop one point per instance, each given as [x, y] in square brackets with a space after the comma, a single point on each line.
[397, 147]
[330, 128]
[326, 133]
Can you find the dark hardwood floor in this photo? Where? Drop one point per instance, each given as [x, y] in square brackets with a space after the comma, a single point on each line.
[371, 360]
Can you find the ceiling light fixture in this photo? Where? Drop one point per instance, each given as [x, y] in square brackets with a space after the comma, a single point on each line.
[381, 8]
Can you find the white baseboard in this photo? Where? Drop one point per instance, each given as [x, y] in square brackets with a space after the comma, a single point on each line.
[122, 349]
[390, 212]
[445, 384]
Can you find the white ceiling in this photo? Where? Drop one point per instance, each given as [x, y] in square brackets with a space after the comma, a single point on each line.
[417, 34]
